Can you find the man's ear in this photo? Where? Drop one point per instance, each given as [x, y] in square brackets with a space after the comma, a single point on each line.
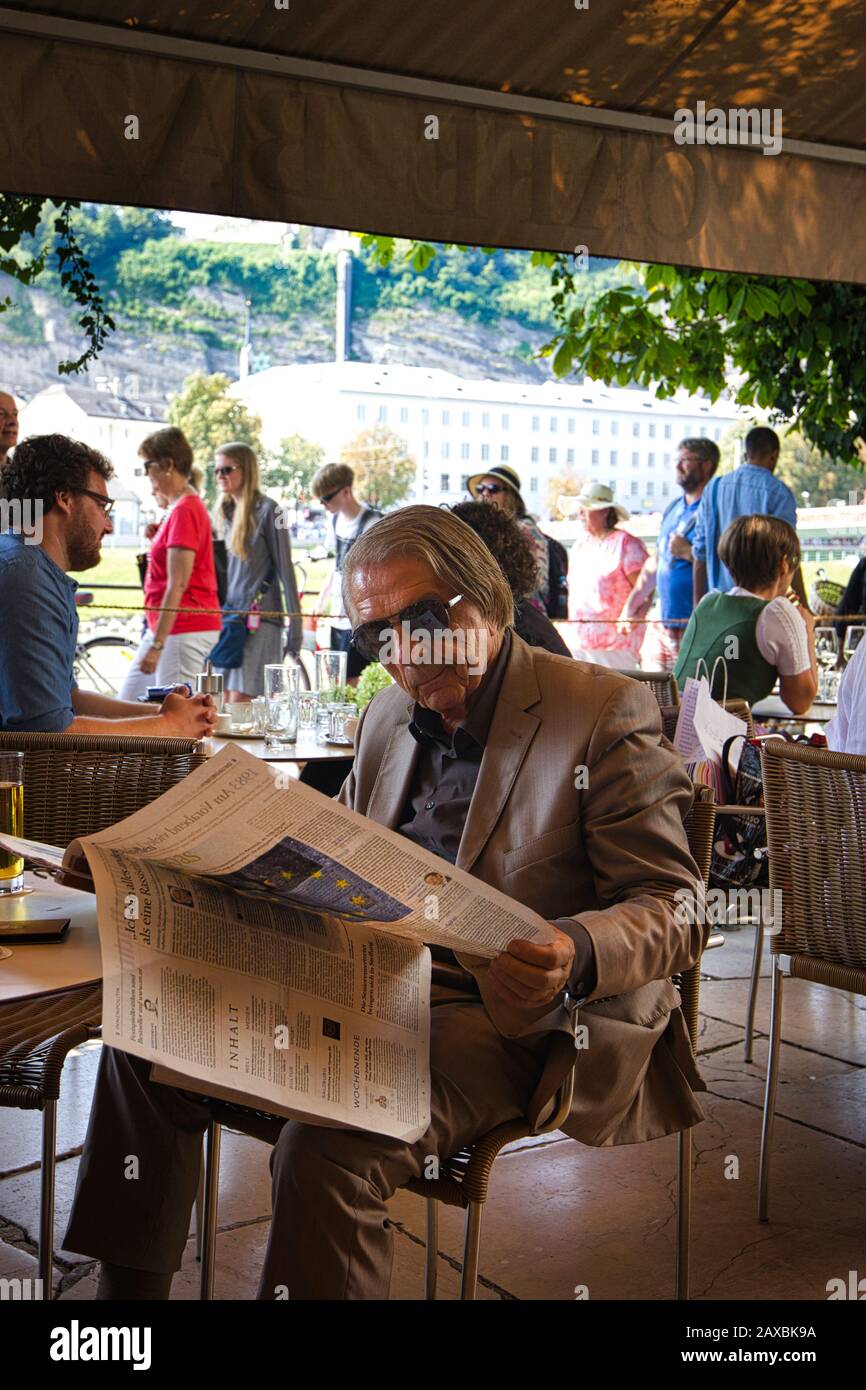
[63, 501]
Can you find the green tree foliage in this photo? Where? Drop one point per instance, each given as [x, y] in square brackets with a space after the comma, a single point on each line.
[209, 417]
[384, 471]
[292, 467]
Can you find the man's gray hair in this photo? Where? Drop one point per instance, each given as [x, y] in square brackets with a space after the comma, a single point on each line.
[456, 555]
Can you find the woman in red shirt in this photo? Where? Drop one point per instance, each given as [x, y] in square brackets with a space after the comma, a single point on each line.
[180, 573]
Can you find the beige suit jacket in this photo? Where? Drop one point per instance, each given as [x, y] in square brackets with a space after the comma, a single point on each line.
[612, 854]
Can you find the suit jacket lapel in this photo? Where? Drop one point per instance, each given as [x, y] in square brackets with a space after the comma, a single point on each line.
[391, 787]
[511, 732]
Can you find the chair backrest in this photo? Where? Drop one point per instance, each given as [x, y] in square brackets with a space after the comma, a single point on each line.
[662, 684]
[76, 784]
[816, 827]
[670, 714]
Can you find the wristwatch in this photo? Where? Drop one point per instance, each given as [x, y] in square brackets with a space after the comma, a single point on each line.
[157, 646]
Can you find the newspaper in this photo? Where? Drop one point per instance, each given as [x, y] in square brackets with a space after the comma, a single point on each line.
[267, 943]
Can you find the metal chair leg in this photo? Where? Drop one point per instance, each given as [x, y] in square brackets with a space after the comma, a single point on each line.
[213, 1137]
[199, 1211]
[46, 1198]
[431, 1258]
[770, 1092]
[471, 1251]
[753, 989]
[684, 1211]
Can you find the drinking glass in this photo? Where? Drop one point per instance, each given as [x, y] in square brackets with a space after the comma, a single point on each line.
[281, 694]
[241, 716]
[259, 708]
[852, 640]
[826, 647]
[331, 675]
[308, 703]
[11, 819]
[340, 714]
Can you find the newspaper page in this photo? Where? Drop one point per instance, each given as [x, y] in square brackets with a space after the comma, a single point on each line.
[289, 1012]
[239, 820]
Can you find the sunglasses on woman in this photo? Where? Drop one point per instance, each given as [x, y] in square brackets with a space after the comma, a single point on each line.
[489, 489]
[425, 616]
[225, 470]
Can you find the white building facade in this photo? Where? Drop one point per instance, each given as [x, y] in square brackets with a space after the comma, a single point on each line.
[455, 427]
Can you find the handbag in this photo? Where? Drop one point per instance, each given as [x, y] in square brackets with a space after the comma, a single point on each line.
[228, 651]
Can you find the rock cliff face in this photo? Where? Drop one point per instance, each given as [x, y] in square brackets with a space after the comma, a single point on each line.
[41, 332]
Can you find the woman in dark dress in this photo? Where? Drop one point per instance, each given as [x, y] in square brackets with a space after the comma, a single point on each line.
[509, 546]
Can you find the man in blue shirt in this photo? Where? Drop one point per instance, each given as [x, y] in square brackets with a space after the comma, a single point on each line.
[670, 568]
[58, 490]
[751, 489]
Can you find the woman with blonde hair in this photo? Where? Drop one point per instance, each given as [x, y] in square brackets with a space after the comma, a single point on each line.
[180, 588]
[259, 556]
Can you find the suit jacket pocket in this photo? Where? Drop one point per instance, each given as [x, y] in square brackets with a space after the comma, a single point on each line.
[546, 846]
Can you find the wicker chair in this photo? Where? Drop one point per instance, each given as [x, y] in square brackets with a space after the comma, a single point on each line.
[662, 684]
[464, 1180]
[816, 825]
[73, 785]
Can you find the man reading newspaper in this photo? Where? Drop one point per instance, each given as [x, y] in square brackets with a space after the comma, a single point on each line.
[545, 778]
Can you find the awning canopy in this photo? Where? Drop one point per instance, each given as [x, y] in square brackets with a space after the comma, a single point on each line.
[555, 124]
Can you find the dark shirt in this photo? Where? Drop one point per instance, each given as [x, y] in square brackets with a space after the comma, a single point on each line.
[38, 633]
[445, 775]
[536, 628]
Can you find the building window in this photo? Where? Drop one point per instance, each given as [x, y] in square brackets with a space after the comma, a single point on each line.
[613, 458]
[703, 431]
[666, 489]
[594, 457]
[506, 422]
[533, 484]
[536, 422]
[464, 482]
[444, 482]
[553, 424]
[533, 455]
[652, 430]
[426, 448]
[635, 429]
[651, 460]
[425, 416]
[649, 488]
[485, 452]
[666, 460]
[633, 488]
[383, 413]
[569, 456]
[596, 427]
[503, 453]
[571, 424]
[361, 411]
[635, 460]
[465, 419]
[485, 420]
[444, 450]
[464, 451]
[667, 431]
[717, 432]
[404, 414]
[611, 482]
[614, 427]
[446, 417]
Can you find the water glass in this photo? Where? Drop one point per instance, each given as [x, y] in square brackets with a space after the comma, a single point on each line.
[853, 637]
[331, 675]
[340, 725]
[308, 704]
[11, 819]
[259, 708]
[281, 696]
[323, 720]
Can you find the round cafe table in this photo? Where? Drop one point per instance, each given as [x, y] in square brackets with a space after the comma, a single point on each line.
[306, 750]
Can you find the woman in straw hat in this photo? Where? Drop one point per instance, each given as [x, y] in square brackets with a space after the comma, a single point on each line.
[501, 487]
[603, 567]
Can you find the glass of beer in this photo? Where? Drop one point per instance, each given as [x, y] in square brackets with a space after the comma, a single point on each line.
[11, 819]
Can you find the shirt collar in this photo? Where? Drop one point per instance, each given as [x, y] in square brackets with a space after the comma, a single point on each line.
[426, 725]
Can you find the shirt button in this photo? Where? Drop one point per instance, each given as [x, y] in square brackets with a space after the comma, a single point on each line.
[428, 805]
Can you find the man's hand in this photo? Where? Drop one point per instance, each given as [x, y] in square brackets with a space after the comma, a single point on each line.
[528, 974]
[188, 716]
[680, 548]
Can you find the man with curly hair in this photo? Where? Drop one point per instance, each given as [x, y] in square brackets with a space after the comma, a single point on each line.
[59, 487]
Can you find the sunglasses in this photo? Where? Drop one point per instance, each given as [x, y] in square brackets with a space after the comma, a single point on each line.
[329, 496]
[106, 503]
[226, 470]
[489, 489]
[427, 615]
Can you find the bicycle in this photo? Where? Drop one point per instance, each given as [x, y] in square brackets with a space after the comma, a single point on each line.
[101, 663]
